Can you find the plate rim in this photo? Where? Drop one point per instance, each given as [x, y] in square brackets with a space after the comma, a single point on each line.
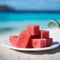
[31, 49]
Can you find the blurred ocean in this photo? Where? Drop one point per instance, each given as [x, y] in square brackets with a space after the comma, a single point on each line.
[20, 20]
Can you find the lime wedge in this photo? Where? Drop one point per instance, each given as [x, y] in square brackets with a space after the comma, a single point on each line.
[53, 23]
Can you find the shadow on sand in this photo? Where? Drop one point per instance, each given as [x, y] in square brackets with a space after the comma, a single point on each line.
[53, 51]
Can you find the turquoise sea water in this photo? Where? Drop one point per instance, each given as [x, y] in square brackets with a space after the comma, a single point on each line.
[28, 16]
[22, 19]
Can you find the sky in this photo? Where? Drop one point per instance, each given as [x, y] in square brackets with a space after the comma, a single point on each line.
[32, 4]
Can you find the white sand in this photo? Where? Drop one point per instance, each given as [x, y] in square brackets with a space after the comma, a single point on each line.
[8, 54]
[55, 33]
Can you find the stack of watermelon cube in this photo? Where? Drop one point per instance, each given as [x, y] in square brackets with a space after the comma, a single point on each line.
[32, 37]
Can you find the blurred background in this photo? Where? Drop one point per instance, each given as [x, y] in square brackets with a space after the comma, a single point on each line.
[16, 14]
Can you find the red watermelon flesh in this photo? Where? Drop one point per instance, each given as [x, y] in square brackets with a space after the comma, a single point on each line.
[49, 41]
[12, 40]
[31, 38]
[33, 29]
[44, 34]
[24, 40]
[39, 43]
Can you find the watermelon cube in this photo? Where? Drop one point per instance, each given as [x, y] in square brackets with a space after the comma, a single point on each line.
[44, 34]
[49, 41]
[24, 40]
[39, 43]
[33, 29]
[12, 40]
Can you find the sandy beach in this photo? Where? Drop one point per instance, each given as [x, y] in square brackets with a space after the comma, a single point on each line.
[8, 54]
